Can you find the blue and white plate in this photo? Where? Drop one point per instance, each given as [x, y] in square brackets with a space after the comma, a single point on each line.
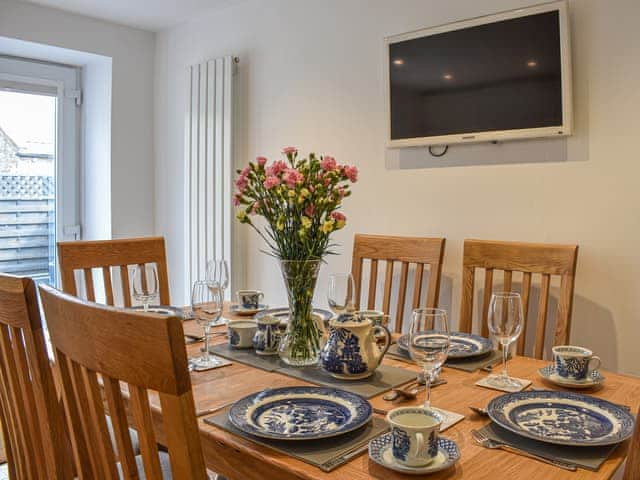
[563, 418]
[594, 379]
[300, 413]
[237, 309]
[283, 313]
[380, 452]
[462, 345]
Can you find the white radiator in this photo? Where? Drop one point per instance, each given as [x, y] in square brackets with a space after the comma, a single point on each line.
[209, 162]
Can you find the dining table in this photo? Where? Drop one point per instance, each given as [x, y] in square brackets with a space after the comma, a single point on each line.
[239, 458]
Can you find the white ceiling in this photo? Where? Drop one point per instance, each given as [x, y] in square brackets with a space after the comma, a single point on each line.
[146, 14]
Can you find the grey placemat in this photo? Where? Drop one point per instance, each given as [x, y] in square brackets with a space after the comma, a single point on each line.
[468, 365]
[383, 379]
[589, 458]
[326, 454]
[397, 354]
[247, 356]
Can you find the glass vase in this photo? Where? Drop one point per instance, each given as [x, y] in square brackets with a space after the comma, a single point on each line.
[300, 345]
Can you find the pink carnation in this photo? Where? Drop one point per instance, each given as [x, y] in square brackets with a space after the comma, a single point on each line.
[236, 199]
[309, 210]
[341, 192]
[261, 161]
[337, 216]
[328, 163]
[270, 182]
[254, 208]
[245, 171]
[292, 177]
[242, 183]
[276, 168]
[351, 173]
[289, 150]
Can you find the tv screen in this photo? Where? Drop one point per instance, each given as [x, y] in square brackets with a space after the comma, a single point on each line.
[502, 76]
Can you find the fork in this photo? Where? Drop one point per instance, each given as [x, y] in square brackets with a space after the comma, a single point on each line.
[487, 442]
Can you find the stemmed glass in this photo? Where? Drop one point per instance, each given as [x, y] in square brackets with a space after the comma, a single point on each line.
[206, 304]
[505, 324]
[145, 284]
[429, 343]
[341, 293]
[218, 272]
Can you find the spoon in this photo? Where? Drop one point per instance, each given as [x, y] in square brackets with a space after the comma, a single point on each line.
[396, 392]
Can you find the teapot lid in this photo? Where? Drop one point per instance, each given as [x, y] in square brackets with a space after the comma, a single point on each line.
[349, 320]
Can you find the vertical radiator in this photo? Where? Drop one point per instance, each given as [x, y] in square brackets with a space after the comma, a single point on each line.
[209, 163]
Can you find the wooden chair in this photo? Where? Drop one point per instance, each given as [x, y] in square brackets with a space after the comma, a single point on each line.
[530, 259]
[632, 469]
[84, 256]
[407, 250]
[30, 410]
[144, 351]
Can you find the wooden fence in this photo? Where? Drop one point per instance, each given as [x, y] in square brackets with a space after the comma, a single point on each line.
[27, 226]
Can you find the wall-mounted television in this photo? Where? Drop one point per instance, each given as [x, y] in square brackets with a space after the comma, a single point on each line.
[493, 78]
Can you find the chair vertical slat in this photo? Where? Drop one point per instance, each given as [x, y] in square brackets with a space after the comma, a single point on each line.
[373, 282]
[388, 280]
[507, 280]
[402, 295]
[12, 427]
[488, 288]
[88, 281]
[466, 302]
[543, 303]
[126, 285]
[88, 433]
[34, 432]
[97, 413]
[417, 286]
[526, 288]
[16, 399]
[108, 287]
[118, 414]
[563, 325]
[83, 459]
[144, 423]
[189, 460]
[356, 271]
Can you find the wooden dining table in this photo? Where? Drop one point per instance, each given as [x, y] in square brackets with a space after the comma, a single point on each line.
[238, 458]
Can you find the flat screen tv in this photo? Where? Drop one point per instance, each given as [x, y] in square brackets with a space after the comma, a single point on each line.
[492, 78]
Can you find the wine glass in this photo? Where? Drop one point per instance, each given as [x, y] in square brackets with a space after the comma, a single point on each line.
[218, 272]
[505, 324]
[341, 293]
[429, 343]
[145, 284]
[206, 304]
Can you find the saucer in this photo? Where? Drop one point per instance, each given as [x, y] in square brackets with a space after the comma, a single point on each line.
[240, 310]
[380, 452]
[549, 373]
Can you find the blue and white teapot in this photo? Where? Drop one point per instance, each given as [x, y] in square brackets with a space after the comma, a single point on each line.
[351, 351]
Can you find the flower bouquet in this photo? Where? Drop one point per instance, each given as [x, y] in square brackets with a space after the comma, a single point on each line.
[299, 200]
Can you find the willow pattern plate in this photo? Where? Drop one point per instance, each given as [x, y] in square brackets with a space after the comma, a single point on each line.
[300, 413]
[462, 345]
[563, 418]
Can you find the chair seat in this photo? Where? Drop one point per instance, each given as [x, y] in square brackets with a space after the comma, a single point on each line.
[165, 466]
[135, 443]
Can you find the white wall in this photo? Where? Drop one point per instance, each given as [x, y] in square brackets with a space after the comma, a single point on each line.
[310, 75]
[132, 54]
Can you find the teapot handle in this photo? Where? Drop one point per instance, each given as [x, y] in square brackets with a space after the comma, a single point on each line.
[387, 339]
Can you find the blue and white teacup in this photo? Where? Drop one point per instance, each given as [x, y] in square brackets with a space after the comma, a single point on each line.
[249, 299]
[414, 434]
[574, 363]
[267, 337]
[241, 333]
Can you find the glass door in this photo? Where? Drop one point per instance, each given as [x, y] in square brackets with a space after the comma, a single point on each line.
[38, 165]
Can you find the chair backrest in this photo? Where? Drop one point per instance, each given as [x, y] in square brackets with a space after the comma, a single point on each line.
[632, 469]
[32, 415]
[143, 351]
[530, 259]
[406, 250]
[111, 256]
